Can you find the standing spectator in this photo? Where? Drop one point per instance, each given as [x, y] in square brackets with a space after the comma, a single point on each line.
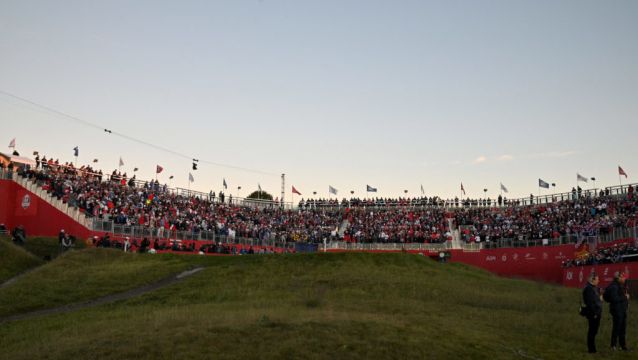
[127, 244]
[616, 295]
[594, 309]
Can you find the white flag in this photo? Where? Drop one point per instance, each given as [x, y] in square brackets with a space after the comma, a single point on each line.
[332, 190]
[12, 144]
[504, 188]
[191, 178]
[579, 177]
[121, 161]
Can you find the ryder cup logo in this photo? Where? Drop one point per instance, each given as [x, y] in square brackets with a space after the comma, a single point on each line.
[26, 201]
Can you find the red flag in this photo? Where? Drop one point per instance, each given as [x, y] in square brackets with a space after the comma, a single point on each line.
[295, 191]
[622, 172]
[462, 189]
[159, 169]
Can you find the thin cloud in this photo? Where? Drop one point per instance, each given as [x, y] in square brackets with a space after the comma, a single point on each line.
[506, 157]
[480, 159]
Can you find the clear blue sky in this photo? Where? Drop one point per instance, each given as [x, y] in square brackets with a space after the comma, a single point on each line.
[394, 94]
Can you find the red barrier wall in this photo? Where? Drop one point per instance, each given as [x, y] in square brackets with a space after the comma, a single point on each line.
[576, 277]
[6, 202]
[38, 217]
[536, 263]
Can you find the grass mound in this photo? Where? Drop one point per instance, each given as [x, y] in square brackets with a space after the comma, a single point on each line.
[321, 306]
[14, 260]
[84, 275]
[47, 248]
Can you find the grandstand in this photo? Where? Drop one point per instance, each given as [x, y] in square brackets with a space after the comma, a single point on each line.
[187, 221]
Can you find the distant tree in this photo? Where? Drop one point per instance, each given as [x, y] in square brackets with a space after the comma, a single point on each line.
[260, 195]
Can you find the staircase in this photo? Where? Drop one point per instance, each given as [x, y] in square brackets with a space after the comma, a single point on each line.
[456, 234]
[345, 224]
[73, 213]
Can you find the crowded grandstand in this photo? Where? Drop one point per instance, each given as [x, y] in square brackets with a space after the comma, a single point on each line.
[120, 200]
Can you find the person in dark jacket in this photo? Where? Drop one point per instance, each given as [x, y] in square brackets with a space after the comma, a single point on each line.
[618, 304]
[594, 310]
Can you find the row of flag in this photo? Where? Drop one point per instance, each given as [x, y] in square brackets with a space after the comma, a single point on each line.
[580, 178]
[331, 189]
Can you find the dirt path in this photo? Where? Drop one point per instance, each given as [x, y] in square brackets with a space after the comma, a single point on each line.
[106, 299]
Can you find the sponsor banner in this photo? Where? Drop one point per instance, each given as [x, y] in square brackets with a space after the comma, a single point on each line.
[576, 277]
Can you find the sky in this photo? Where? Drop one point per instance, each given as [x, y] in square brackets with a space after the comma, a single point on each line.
[348, 93]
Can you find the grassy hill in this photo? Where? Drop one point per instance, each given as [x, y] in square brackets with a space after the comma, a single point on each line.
[14, 260]
[321, 306]
[47, 247]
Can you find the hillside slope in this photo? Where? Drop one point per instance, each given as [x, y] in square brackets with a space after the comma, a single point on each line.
[321, 306]
[14, 260]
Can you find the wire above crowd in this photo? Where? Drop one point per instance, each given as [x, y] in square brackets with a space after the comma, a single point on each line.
[126, 201]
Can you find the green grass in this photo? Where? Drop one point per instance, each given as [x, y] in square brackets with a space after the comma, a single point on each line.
[47, 247]
[322, 306]
[84, 275]
[14, 260]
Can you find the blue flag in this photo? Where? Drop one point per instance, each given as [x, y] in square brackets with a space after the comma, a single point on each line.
[76, 151]
[370, 189]
[543, 184]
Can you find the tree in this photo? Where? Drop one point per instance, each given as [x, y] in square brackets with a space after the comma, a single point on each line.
[260, 195]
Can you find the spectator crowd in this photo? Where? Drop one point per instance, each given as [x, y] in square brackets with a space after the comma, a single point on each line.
[127, 201]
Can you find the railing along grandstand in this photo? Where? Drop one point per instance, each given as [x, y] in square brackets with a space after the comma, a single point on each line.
[229, 199]
[614, 235]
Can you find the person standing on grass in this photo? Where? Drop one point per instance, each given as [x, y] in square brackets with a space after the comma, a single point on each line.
[618, 298]
[594, 310]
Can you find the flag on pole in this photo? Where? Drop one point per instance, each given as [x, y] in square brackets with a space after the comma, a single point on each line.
[332, 190]
[295, 191]
[225, 185]
[159, 169]
[462, 189]
[370, 189]
[621, 172]
[579, 177]
[504, 188]
[121, 161]
[76, 151]
[422, 190]
[543, 184]
[12, 144]
[259, 187]
[191, 178]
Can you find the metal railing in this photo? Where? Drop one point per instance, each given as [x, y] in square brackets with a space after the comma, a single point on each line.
[349, 246]
[164, 188]
[136, 231]
[615, 234]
